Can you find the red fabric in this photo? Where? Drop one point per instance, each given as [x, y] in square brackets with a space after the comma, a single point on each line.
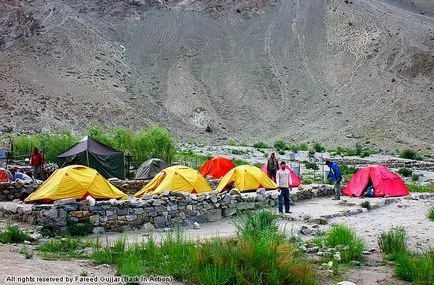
[216, 167]
[384, 181]
[37, 159]
[295, 180]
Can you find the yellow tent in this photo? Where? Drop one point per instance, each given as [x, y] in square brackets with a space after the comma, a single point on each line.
[177, 178]
[75, 181]
[246, 177]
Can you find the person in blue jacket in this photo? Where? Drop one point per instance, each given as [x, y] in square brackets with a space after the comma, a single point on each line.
[336, 176]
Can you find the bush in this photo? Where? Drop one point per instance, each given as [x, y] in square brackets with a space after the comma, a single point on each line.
[393, 241]
[318, 147]
[260, 145]
[410, 154]
[13, 234]
[82, 228]
[405, 172]
[253, 224]
[347, 170]
[350, 246]
[280, 145]
[311, 165]
[303, 147]
[415, 177]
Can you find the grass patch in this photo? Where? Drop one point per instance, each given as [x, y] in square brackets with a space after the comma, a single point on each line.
[415, 268]
[13, 234]
[430, 214]
[393, 241]
[260, 255]
[27, 252]
[260, 145]
[412, 187]
[344, 239]
[405, 172]
[64, 248]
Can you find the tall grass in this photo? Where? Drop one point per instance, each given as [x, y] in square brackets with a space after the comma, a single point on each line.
[411, 267]
[345, 239]
[393, 241]
[141, 145]
[63, 248]
[260, 255]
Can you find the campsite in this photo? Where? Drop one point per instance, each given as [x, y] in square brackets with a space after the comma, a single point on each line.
[166, 199]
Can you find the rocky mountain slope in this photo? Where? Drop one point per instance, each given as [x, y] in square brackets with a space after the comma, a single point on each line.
[335, 71]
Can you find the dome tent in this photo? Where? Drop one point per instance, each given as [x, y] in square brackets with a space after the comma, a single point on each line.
[216, 167]
[177, 178]
[384, 182]
[150, 168]
[75, 181]
[245, 178]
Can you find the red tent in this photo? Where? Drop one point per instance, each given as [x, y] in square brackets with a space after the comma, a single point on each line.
[216, 167]
[295, 180]
[383, 180]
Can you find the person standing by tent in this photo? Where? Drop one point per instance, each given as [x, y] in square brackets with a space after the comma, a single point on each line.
[37, 162]
[283, 180]
[336, 176]
[272, 166]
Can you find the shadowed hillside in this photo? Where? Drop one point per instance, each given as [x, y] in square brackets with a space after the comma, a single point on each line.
[333, 71]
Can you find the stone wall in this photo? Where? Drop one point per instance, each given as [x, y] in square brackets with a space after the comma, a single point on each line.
[159, 211]
[12, 191]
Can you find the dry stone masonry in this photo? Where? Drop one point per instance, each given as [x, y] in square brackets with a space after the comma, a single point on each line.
[152, 211]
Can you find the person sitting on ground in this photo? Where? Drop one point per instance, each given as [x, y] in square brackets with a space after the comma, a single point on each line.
[21, 178]
[283, 180]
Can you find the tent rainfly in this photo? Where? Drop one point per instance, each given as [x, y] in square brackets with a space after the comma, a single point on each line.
[216, 167]
[245, 178]
[177, 178]
[75, 181]
[108, 161]
[382, 179]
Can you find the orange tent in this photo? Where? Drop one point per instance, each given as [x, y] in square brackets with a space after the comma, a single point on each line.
[216, 167]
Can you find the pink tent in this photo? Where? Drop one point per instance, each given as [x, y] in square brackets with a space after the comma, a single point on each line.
[295, 180]
[383, 180]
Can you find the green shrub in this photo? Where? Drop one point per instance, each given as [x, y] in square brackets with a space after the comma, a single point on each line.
[303, 147]
[405, 172]
[430, 214]
[418, 188]
[253, 224]
[393, 241]
[311, 165]
[415, 177]
[345, 240]
[410, 154]
[82, 228]
[13, 234]
[260, 145]
[307, 181]
[280, 145]
[367, 205]
[347, 169]
[318, 147]
[239, 162]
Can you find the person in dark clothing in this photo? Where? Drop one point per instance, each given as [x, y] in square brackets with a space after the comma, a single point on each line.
[272, 166]
[336, 176]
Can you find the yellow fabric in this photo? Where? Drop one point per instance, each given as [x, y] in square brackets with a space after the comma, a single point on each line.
[177, 178]
[75, 181]
[246, 177]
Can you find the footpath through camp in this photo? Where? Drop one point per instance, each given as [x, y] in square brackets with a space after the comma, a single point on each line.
[313, 214]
